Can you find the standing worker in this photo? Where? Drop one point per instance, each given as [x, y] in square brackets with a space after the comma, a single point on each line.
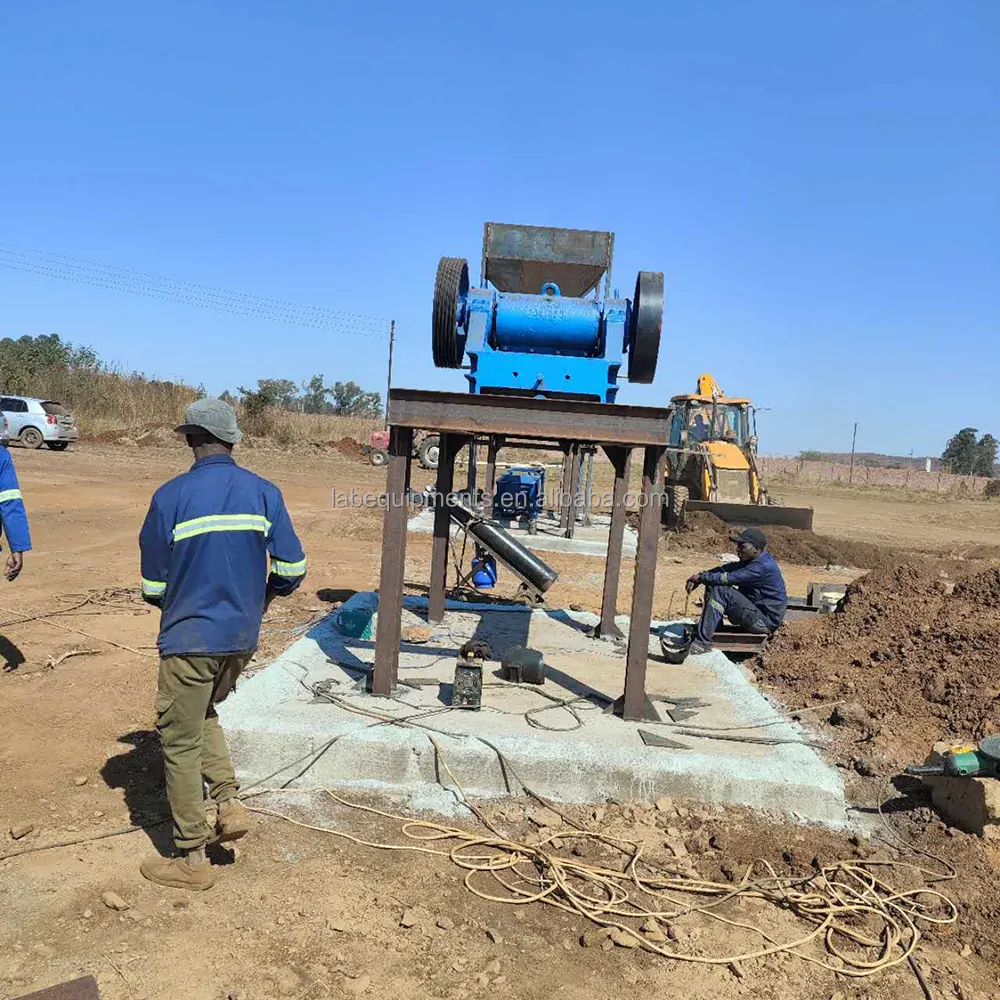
[205, 546]
[751, 594]
[13, 517]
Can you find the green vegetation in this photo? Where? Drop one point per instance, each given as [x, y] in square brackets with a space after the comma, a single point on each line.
[109, 402]
[967, 456]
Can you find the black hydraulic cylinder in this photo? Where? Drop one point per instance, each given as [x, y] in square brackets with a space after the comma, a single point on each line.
[520, 560]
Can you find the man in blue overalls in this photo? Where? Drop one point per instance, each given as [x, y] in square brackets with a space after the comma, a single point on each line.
[13, 519]
[751, 593]
[217, 546]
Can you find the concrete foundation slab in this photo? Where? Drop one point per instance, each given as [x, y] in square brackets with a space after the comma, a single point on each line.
[283, 728]
[588, 540]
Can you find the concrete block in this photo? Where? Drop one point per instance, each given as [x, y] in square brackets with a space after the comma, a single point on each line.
[971, 804]
[278, 719]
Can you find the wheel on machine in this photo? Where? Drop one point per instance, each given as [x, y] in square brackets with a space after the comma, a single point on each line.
[676, 498]
[58, 445]
[645, 326]
[428, 452]
[448, 323]
[378, 457]
[31, 437]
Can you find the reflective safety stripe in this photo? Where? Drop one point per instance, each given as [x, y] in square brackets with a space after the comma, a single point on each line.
[718, 607]
[6, 495]
[221, 522]
[725, 578]
[287, 568]
[153, 587]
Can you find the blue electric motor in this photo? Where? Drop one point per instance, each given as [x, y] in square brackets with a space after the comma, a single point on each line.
[519, 495]
[538, 334]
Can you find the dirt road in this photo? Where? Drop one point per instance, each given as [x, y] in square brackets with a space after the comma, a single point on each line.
[299, 914]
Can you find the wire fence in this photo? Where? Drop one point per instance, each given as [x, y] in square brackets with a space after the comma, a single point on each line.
[803, 472]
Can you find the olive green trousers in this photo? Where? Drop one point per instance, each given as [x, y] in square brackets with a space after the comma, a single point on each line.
[194, 746]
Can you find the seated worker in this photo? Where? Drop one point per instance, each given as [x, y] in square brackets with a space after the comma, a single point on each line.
[751, 594]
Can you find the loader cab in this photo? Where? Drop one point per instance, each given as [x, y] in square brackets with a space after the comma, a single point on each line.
[697, 420]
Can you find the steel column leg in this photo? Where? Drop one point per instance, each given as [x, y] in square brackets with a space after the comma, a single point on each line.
[574, 487]
[634, 704]
[473, 458]
[564, 486]
[588, 488]
[496, 443]
[621, 459]
[390, 589]
[450, 444]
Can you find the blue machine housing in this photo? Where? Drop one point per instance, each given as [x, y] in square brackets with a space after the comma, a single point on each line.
[519, 494]
[544, 329]
[546, 344]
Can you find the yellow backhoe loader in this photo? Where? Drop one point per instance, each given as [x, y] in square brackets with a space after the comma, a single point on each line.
[712, 462]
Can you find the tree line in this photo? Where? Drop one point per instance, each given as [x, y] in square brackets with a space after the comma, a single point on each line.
[49, 366]
[967, 455]
[312, 396]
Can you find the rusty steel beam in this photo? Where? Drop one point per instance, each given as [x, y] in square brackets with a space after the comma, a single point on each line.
[390, 588]
[621, 459]
[496, 443]
[567, 450]
[574, 489]
[634, 704]
[526, 416]
[449, 448]
[473, 456]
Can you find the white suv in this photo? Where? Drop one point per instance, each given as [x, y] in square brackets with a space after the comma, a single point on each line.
[34, 422]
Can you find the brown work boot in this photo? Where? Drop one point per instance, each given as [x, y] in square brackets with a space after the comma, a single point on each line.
[178, 873]
[232, 822]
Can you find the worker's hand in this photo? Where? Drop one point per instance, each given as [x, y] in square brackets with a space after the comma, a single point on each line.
[15, 563]
[693, 582]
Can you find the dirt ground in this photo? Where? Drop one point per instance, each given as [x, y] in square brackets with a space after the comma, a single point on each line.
[298, 913]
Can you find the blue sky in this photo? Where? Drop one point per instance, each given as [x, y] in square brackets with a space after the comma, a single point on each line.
[817, 179]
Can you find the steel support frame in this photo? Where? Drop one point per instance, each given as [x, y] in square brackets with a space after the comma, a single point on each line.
[621, 459]
[457, 417]
[633, 705]
[448, 451]
[391, 574]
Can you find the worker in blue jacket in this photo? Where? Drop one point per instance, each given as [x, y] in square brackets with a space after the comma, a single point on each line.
[13, 518]
[750, 594]
[217, 546]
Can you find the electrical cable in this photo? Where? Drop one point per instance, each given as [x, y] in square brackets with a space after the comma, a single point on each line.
[150, 277]
[865, 924]
[231, 307]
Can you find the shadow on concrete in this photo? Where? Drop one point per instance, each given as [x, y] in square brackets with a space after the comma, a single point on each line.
[11, 654]
[565, 618]
[139, 773]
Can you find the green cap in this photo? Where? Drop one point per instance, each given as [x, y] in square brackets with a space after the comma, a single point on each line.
[214, 416]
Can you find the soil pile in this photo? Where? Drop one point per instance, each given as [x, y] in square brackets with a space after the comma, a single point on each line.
[981, 588]
[349, 447]
[704, 532]
[910, 664]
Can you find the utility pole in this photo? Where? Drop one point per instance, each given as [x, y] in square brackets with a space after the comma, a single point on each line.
[854, 441]
[388, 385]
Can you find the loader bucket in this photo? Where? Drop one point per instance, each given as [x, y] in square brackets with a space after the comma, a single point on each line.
[746, 515]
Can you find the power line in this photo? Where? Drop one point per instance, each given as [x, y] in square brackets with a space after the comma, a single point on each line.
[26, 254]
[159, 287]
